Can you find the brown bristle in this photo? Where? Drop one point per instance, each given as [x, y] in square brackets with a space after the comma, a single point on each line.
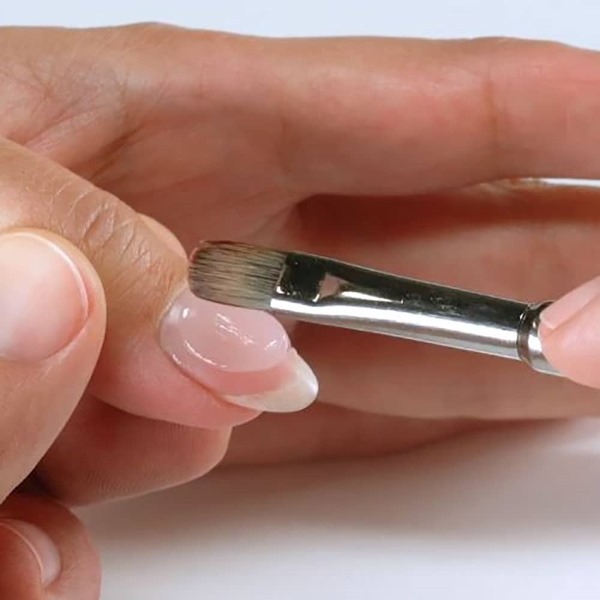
[235, 274]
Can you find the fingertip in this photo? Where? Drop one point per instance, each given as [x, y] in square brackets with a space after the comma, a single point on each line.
[49, 292]
[44, 549]
[571, 339]
[39, 543]
[293, 388]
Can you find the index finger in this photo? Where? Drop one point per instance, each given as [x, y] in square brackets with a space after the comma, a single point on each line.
[395, 116]
[236, 116]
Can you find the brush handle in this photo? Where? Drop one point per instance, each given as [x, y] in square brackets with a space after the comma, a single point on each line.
[333, 293]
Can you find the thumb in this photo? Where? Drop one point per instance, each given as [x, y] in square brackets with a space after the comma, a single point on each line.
[53, 322]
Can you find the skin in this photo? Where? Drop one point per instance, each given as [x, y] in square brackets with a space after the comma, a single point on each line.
[403, 155]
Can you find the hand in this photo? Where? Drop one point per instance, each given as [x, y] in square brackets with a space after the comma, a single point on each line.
[375, 151]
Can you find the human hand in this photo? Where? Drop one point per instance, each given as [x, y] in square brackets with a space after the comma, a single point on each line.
[369, 150]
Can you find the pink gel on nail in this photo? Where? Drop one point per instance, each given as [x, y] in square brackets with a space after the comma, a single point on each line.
[223, 347]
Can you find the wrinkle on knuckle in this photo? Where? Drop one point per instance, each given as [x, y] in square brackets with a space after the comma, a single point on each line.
[112, 237]
[492, 102]
[90, 217]
[490, 92]
[513, 78]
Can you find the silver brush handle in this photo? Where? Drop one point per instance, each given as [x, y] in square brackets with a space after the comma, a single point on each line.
[329, 292]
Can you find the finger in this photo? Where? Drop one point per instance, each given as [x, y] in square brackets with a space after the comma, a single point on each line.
[381, 116]
[53, 326]
[325, 432]
[53, 322]
[354, 116]
[167, 355]
[45, 553]
[146, 366]
[526, 242]
[570, 333]
[104, 453]
[298, 117]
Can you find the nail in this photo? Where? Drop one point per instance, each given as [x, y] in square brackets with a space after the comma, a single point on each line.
[564, 309]
[41, 546]
[298, 389]
[243, 355]
[43, 298]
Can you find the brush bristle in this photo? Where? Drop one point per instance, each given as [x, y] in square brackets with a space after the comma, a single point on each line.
[235, 274]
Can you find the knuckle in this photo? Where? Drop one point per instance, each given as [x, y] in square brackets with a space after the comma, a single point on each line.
[153, 38]
[513, 77]
[153, 28]
[504, 70]
[498, 46]
[114, 239]
[147, 36]
[101, 223]
[57, 91]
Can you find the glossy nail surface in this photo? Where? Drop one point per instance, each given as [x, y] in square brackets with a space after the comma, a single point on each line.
[243, 355]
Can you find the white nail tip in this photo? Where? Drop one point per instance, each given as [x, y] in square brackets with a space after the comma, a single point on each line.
[299, 393]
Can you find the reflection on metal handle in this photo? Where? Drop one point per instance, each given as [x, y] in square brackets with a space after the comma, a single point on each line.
[529, 344]
[334, 293]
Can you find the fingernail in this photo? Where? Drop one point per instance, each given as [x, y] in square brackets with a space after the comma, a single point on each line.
[295, 388]
[41, 546]
[43, 299]
[243, 355]
[564, 309]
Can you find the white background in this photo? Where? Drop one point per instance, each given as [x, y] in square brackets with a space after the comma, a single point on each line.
[569, 20]
[498, 516]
